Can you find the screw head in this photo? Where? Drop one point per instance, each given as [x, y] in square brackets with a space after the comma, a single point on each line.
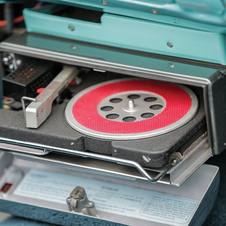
[174, 162]
[73, 47]
[171, 65]
[154, 11]
[170, 44]
[71, 28]
[7, 60]
[19, 62]
[11, 67]
[104, 3]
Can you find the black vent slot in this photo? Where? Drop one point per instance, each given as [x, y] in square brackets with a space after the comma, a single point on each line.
[79, 14]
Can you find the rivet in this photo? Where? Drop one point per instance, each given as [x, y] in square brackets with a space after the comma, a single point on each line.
[170, 44]
[71, 28]
[73, 47]
[154, 11]
[171, 65]
[104, 3]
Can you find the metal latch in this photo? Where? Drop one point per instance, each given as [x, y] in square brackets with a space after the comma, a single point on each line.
[79, 202]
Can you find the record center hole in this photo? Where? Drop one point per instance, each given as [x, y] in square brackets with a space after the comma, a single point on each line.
[133, 96]
[129, 119]
[107, 108]
[150, 99]
[156, 107]
[115, 100]
[112, 116]
[147, 115]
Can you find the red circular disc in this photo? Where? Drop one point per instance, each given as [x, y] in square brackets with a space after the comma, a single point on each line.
[85, 113]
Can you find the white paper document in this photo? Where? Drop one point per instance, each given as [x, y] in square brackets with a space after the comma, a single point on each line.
[109, 197]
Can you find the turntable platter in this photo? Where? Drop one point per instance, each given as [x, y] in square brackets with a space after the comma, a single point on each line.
[131, 109]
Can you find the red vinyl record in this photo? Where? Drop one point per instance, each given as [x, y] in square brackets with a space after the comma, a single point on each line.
[131, 109]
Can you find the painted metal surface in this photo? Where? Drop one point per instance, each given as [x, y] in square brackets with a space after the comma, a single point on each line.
[132, 33]
[111, 59]
[57, 213]
[190, 13]
[132, 63]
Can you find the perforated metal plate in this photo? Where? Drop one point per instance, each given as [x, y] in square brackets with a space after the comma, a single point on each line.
[131, 106]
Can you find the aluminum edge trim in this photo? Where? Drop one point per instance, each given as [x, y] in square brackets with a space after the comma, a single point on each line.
[102, 65]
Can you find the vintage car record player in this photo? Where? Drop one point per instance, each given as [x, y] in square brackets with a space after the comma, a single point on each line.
[109, 111]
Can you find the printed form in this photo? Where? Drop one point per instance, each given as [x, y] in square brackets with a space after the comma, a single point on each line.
[109, 197]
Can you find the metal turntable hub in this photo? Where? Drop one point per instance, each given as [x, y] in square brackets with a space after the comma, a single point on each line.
[131, 106]
[131, 109]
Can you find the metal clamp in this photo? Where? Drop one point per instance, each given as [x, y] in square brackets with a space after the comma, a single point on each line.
[79, 202]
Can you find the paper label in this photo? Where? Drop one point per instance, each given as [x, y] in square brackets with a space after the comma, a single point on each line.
[109, 197]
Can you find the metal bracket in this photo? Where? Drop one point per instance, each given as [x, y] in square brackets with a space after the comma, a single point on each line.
[9, 60]
[78, 202]
[173, 161]
[27, 147]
